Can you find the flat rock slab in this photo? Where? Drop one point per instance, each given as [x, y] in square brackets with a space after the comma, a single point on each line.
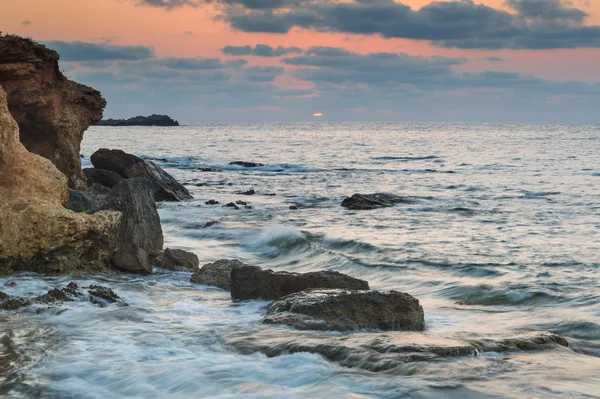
[252, 282]
[165, 187]
[177, 259]
[217, 273]
[374, 201]
[345, 310]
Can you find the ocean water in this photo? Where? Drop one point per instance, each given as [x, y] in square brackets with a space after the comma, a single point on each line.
[503, 240]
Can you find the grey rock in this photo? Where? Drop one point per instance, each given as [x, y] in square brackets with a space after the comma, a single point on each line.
[246, 164]
[106, 178]
[252, 282]
[345, 310]
[117, 161]
[80, 201]
[217, 273]
[177, 259]
[374, 201]
[165, 187]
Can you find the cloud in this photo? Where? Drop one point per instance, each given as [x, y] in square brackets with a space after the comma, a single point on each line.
[192, 64]
[493, 59]
[260, 50]
[26, 22]
[263, 73]
[533, 24]
[82, 51]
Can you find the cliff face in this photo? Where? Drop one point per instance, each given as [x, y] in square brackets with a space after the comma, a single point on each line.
[36, 232]
[52, 112]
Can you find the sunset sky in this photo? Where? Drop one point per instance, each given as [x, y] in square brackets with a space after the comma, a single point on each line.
[273, 60]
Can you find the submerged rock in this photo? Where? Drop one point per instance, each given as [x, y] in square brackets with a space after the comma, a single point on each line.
[217, 273]
[231, 205]
[212, 202]
[524, 342]
[117, 161]
[343, 310]
[252, 282]
[52, 111]
[374, 201]
[210, 223]
[246, 164]
[95, 294]
[103, 177]
[249, 192]
[177, 259]
[165, 187]
[152, 120]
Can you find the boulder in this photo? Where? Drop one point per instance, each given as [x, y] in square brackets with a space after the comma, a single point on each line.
[344, 310]
[36, 232]
[81, 201]
[252, 282]
[117, 161]
[374, 201]
[217, 273]
[52, 112]
[152, 120]
[165, 187]
[246, 164]
[177, 259]
[106, 178]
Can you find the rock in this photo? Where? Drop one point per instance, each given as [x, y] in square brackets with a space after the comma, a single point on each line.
[106, 178]
[210, 223]
[240, 202]
[36, 232]
[3, 296]
[52, 111]
[165, 187]
[252, 282]
[524, 342]
[208, 170]
[217, 273]
[271, 195]
[294, 207]
[231, 205]
[246, 164]
[114, 160]
[249, 192]
[95, 294]
[80, 201]
[211, 202]
[177, 259]
[140, 237]
[248, 206]
[374, 201]
[344, 310]
[152, 120]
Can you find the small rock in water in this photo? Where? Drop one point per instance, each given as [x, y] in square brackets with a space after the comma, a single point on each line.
[344, 310]
[252, 282]
[210, 223]
[208, 170]
[246, 164]
[177, 259]
[249, 192]
[293, 207]
[240, 202]
[231, 205]
[248, 206]
[211, 202]
[374, 201]
[271, 195]
[217, 273]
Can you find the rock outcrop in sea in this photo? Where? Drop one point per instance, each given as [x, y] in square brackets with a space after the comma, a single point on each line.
[52, 111]
[374, 201]
[152, 120]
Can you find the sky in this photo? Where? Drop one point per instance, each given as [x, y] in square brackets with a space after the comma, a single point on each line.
[349, 60]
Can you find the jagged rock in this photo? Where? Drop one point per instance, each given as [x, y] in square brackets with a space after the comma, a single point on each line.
[374, 201]
[52, 111]
[231, 205]
[177, 259]
[95, 294]
[210, 223]
[152, 120]
[252, 282]
[211, 202]
[36, 232]
[344, 310]
[240, 202]
[103, 177]
[217, 273]
[165, 187]
[246, 164]
[117, 161]
[249, 192]
[140, 237]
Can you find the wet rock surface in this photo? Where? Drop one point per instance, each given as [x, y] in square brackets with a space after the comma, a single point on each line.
[247, 164]
[252, 282]
[344, 310]
[98, 295]
[374, 201]
[177, 259]
[165, 187]
[152, 120]
[217, 273]
[103, 177]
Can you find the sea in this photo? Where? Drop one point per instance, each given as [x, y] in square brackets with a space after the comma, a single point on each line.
[502, 241]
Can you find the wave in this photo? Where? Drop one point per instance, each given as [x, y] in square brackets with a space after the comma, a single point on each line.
[406, 158]
[276, 240]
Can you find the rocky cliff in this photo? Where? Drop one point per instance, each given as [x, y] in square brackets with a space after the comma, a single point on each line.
[52, 112]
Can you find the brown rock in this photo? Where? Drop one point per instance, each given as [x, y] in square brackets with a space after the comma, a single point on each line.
[165, 187]
[117, 161]
[343, 310]
[52, 111]
[177, 259]
[252, 282]
[217, 273]
[374, 201]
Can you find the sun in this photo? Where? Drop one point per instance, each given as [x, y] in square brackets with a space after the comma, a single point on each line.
[318, 114]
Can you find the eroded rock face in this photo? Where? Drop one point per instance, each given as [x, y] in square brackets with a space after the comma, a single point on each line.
[343, 310]
[374, 201]
[165, 187]
[52, 111]
[252, 282]
[36, 232]
[177, 259]
[217, 273]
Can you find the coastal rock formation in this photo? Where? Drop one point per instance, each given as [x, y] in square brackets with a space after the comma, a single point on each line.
[152, 120]
[164, 186]
[252, 282]
[52, 111]
[106, 178]
[217, 273]
[374, 201]
[246, 164]
[36, 232]
[95, 294]
[177, 259]
[343, 310]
